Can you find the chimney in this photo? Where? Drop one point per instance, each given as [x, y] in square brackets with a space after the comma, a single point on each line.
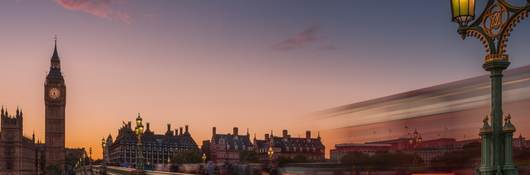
[176, 132]
[284, 133]
[266, 136]
[187, 128]
[147, 128]
[235, 131]
[169, 131]
[214, 131]
[129, 124]
[308, 134]
[181, 131]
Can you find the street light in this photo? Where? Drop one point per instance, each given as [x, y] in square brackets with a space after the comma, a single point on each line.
[104, 152]
[492, 28]
[270, 152]
[139, 129]
[463, 11]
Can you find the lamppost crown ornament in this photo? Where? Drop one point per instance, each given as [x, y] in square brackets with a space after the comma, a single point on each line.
[492, 27]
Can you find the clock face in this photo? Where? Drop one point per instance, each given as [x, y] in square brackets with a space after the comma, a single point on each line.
[54, 93]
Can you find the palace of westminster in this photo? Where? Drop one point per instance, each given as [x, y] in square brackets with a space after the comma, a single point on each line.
[21, 155]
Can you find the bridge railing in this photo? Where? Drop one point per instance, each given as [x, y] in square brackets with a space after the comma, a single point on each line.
[128, 171]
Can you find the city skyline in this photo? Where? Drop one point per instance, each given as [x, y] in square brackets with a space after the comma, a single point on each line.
[224, 65]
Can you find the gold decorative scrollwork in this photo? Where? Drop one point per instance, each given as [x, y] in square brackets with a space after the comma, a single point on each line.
[495, 57]
[494, 19]
[509, 28]
[481, 37]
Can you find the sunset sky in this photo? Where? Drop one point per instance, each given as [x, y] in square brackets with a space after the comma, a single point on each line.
[261, 65]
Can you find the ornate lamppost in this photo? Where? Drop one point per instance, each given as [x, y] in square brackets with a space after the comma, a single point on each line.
[103, 169]
[270, 156]
[139, 129]
[90, 160]
[415, 139]
[492, 28]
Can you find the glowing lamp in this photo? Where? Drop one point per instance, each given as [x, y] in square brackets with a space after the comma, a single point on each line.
[463, 11]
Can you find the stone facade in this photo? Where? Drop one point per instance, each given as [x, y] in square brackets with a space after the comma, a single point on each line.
[226, 148]
[289, 147]
[21, 155]
[17, 153]
[157, 148]
[55, 100]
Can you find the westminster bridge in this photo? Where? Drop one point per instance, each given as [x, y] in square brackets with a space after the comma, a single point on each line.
[113, 170]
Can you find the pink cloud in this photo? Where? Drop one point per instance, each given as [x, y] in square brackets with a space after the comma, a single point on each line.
[299, 40]
[99, 8]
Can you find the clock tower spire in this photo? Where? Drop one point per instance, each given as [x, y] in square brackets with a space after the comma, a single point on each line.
[55, 105]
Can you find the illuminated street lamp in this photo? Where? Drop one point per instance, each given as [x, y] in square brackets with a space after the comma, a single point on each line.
[203, 158]
[90, 159]
[139, 130]
[103, 169]
[415, 140]
[492, 28]
[270, 153]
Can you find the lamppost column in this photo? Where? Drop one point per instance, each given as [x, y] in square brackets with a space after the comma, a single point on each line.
[139, 154]
[496, 68]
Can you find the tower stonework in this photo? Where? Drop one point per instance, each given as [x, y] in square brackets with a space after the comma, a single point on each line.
[55, 103]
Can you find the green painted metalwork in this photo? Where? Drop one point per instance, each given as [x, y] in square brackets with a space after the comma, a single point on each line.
[493, 28]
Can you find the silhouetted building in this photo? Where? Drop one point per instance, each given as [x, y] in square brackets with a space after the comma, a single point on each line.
[20, 155]
[227, 147]
[55, 100]
[427, 150]
[17, 153]
[344, 149]
[157, 148]
[286, 146]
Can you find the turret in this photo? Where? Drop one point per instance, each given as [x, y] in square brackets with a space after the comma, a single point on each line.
[109, 140]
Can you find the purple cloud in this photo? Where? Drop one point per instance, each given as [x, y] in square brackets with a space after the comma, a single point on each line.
[299, 40]
[99, 8]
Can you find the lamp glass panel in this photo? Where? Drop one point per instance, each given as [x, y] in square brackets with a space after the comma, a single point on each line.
[455, 7]
[464, 8]
[472, 8]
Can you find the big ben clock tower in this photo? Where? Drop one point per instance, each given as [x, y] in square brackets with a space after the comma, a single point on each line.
[55, 100]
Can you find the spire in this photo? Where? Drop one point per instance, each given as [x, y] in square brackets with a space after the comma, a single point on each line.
[55, 62]
[55, 54]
